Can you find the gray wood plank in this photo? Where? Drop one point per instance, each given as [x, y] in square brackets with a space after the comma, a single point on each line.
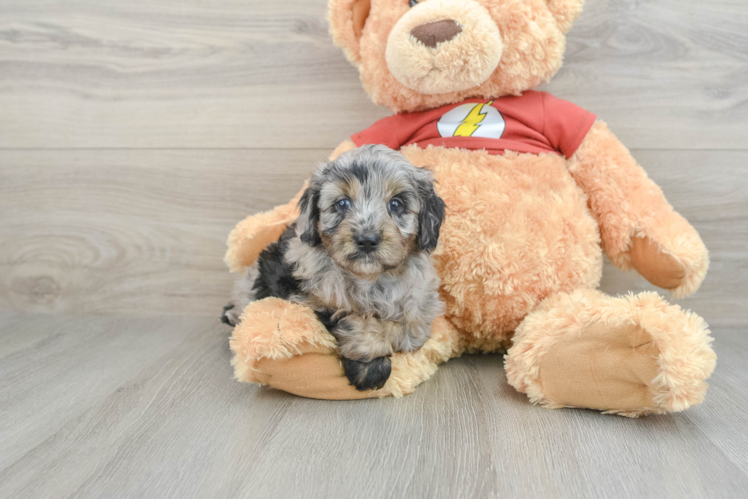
[137, 406]
[167, 421]
[143, 232]
[727, 400]
[666, 74]
[131, 231]
[53, 368]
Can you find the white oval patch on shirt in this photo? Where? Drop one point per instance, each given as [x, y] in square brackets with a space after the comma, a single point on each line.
[472, 120]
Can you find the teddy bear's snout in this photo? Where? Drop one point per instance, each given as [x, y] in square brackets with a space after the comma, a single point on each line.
[444, 46]
[432, 34]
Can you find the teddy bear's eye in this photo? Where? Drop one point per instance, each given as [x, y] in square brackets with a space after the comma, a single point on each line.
[413, 3]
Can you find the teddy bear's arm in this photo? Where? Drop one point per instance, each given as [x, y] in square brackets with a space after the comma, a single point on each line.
[253, 234]
[639, 228]
[345, 146]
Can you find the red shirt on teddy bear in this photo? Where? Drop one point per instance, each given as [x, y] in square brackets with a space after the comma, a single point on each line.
[535, 122]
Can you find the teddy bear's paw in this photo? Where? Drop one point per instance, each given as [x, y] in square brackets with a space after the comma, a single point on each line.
[606, 367]
[669, 253]
[285, 346]
[681, 270]
[631, 355]
[658, 268]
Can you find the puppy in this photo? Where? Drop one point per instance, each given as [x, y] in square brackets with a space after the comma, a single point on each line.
[359, 257]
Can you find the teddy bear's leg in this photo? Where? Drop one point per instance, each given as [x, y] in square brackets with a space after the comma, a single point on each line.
[629, 355]
[283, 345]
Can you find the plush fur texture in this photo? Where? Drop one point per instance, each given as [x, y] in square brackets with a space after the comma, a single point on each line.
[631, 204]
[521, 248]
[253, 234]
[284, 345]
[358, 255]
[684, 361]
[496, 269]
[465, 60]
[531, 47]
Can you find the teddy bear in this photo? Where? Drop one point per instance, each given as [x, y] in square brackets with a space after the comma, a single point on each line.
[537, 191]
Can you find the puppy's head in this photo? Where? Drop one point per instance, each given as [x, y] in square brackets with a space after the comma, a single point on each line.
[371, 209]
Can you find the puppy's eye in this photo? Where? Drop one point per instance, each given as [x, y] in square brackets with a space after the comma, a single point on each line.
[343, 204]
[396, 206]
[413, 3]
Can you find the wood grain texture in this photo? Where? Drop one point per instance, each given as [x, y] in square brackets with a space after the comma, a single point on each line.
[665, 74]
[135, 134]
[109, 407]
[131, 232]
[143, 232]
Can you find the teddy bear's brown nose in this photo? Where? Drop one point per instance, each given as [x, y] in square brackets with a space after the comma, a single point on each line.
[431, 34]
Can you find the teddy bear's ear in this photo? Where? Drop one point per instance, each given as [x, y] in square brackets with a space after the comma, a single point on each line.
[347, 19]
[565, 12]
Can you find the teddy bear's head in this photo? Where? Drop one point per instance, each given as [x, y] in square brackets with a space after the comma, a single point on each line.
[422, 54]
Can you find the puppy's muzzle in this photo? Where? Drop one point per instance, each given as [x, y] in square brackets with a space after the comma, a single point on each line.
[367, 242]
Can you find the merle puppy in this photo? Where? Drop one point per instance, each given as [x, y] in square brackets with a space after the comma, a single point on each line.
[359, 257]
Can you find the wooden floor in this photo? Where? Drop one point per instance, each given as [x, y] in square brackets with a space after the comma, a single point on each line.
[135, 133]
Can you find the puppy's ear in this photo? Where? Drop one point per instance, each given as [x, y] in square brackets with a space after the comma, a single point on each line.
[309, 217]
[431, 216]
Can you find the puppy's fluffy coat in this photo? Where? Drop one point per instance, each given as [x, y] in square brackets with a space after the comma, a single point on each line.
[359, 257]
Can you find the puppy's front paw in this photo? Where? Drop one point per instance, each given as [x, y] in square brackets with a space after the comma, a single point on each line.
[371, 375]
[230, 315]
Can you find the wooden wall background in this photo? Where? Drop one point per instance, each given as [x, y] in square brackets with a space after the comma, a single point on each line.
[134, 135]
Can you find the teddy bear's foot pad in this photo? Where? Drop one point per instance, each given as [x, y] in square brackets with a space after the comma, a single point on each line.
[630, 355]
[606, 366]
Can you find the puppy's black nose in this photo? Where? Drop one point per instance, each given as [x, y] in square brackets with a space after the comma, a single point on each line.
[368, 242]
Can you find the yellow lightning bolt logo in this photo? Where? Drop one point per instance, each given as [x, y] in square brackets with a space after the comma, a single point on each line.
[472, 122]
